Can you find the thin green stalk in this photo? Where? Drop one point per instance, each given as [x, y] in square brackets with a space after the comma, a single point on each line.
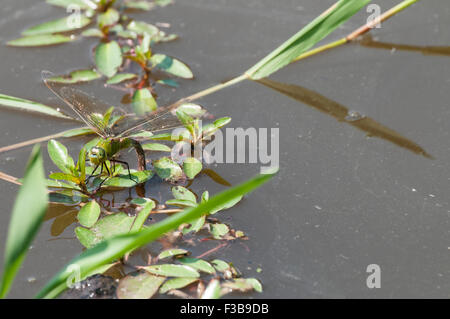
[358, 32]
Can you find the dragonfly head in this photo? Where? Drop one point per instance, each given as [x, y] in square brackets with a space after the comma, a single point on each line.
[97, 155]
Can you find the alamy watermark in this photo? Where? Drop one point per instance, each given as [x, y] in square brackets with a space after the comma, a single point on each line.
[236, 145]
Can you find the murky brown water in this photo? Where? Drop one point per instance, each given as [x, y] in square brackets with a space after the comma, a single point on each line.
[341, 201]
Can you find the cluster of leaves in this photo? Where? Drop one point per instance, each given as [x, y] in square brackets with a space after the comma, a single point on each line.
[122, 39]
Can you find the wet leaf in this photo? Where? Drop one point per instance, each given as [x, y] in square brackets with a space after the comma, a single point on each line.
[220, 265]
[191, 109]
[142, 216]
[62, 222]
[120, 77]
[181, 203]
[92, 32]
[170, 270]
[156, 147]
[143, 102]
[171, 66]
[172, 252]
[26, 218]
[212, 291]
[64, 176]
[78, 132]
[180, 192]
[108, 58]
[58, 25]
[59, 155]
[198, 264]
[243, 285]
[89, 214]
[169, 82]
[142, 28]
[139, 286]
[109, 17]
[219, 230]
[85, 236]
[123, 180]
[115, 247]
[227, 205]
[66, 197]
[176, 283]
[167, 169]
[39, 40]
[216, 177]
[27, 105]
[195, 225]
[77, 76]
[191, 167]
[140, 5]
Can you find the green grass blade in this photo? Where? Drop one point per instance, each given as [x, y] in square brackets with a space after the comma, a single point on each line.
[27, 105]
[27, 216]
[114, 248]
[306, 38]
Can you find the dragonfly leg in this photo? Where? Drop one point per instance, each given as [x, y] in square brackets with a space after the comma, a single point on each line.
[92, 175]
[128, 167]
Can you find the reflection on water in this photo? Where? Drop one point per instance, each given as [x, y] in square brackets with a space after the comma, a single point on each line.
[343, 114]
[368, 41]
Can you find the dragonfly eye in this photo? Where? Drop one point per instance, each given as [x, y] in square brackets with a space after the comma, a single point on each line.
[97, 152]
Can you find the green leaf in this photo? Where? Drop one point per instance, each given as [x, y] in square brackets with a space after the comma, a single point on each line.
[212, 291]
[243, 284]
[59, 155]
[60, 25]
[114, 248]
[109, 17]
[171, 65]
[140, 5]
[191, 167]
[172, 252]
[123, 180]
[163, 3]
[139, 286]
[156, 147]
[191, 109]
[181, 202]
[27, 215]
[198, 264]
[143, 102]
[89, 214]
[195, 225]
[85, 236]
[176, 283]
[220, 265]
[170, 270]
[39, 40]
[120, 77]
[64, 176]
[227, 204]
[180, 192]
[167, 169]
[142, 28]
[219, 230]
[78, 132]
[169, 82]
[77, 76]
[92, 32]
[27, 105]
[108, 58]
[307, 37]
[142, 216]
[81, 164]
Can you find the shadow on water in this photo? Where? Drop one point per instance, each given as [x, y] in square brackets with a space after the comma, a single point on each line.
[343, 114]
[368, 41]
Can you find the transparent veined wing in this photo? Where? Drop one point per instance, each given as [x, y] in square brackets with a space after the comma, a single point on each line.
[94, 112]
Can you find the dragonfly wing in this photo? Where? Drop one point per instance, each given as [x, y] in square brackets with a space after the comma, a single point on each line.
[161, 119]
[88, 108]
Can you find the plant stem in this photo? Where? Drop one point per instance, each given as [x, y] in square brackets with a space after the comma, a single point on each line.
[358, 32]
[10, 178]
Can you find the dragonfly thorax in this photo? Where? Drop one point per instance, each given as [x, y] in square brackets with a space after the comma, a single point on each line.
[97, 155]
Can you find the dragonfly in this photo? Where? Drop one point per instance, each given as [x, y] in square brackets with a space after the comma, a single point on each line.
[116, 137]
